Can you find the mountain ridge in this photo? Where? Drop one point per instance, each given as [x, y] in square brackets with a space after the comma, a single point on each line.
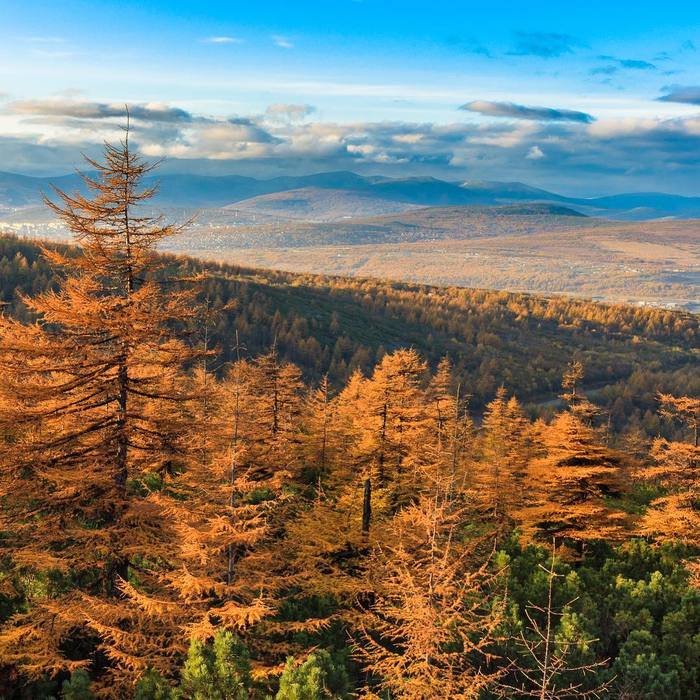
[217, 191]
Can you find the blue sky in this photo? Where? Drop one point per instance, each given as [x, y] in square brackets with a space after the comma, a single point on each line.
[581, 97]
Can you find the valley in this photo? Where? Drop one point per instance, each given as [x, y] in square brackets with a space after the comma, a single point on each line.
[650, 264]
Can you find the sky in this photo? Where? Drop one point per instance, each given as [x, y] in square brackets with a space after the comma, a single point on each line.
[583, 98]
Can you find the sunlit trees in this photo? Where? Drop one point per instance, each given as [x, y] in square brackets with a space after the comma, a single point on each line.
[432, 617]
[503, 460]
[390, 416]
[275, 395]
[321, 436]
[174, 526]
[447, 448]
[90, 404]
[676, 515]
[572, 480]
[578, 402]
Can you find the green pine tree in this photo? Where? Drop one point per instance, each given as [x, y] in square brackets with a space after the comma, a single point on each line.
[77, 687]
[216, 671]
[318, 678]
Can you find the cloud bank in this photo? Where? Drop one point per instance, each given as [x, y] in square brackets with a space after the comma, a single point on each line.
[538, 144]
[156, 112]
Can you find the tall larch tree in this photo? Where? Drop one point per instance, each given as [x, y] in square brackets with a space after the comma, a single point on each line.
[92, 418]
[321, 438]
[221, 570]
[432, 617]
[389, 420]
[676, 465]
[569, 484]
[326, 543]
[447, 447]
[504, 457]
[276, 402]
[441, 399]
[574, 396]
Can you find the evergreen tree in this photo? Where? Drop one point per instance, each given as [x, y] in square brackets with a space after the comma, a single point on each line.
[318, 678]
[218, 670]
[77, 687]
[550, 642]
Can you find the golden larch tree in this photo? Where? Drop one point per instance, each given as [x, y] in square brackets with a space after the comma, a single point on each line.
[389, 418]
[503, 459]
[432, 617]
[676, 515]
[570, 481]
[94, 422]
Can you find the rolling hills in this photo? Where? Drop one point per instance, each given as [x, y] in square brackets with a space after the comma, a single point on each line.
[320, 204]
[503, 235]
[385, 194]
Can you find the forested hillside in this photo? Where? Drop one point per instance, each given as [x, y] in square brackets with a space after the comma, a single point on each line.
[186, 514]
[333, 326]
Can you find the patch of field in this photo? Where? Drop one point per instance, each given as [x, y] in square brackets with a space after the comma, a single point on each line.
[643, 250]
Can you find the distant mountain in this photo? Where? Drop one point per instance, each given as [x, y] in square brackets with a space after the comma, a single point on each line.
[221, 191]
[321, 205]
[508, 191]
[657, 200]
[426, 191]
[24, 190]
[333, 195]
[537, 209]
[639, 206]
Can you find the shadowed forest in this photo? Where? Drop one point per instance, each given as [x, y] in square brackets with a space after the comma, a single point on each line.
[232, 484]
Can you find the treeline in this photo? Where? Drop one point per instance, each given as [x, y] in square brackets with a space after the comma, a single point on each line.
[178, 525]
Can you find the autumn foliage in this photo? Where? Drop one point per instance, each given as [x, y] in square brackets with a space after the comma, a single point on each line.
[177, 526]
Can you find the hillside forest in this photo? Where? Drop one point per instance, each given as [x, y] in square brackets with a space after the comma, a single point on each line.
[229, 485]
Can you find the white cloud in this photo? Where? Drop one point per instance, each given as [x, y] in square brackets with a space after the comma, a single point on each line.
[83, 109]
[564, 152]
[503, 136]
[625, 126]
[281, 111]
[517, 111]
[222, 40]
[282, 42]
[535, 153]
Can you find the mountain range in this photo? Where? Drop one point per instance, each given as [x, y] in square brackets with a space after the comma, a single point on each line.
[341, 195]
